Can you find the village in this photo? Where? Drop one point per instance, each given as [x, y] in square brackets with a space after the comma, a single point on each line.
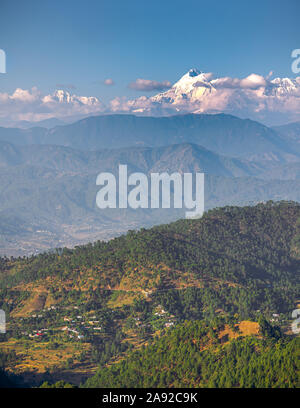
[72, 324]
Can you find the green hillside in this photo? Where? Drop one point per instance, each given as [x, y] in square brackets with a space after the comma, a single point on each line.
[246, 254]
[182, 358]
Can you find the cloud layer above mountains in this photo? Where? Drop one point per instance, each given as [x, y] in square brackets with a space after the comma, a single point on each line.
[257, 97]
[32, 105]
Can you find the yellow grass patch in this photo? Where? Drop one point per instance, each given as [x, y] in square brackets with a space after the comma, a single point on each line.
[246, 328]
[34, 303]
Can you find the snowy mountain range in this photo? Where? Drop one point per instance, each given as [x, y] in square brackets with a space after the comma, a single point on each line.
[195, 86]
[271, 101]
[255, 97]
[62, 96]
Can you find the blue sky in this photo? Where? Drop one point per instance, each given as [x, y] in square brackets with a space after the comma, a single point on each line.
[84, 42]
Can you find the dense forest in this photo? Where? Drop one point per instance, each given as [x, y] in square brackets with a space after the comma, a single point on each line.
[181, 358]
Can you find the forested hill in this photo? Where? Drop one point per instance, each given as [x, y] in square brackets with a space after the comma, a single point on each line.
[254, 251]
[196, 355]
[235, 264]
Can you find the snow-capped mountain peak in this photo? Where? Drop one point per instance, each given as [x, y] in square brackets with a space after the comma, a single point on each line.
[191, 86]
[283, 86]
[62, 96]
[192, 79]
[193, 72]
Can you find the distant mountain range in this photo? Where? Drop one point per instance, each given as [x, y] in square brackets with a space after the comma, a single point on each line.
[48, 176]
[290, 132]
[224, 134]
[185, 157]
[46, 123]
[47, 196]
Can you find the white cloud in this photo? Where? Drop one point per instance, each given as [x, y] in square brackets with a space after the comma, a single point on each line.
[252, 81]
[148, 85]
[108, 82]
[22, 95]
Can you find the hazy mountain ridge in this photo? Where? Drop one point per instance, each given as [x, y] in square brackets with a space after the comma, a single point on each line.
[224, 134]
[186, 157]
[49, 190]
[291, 132]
